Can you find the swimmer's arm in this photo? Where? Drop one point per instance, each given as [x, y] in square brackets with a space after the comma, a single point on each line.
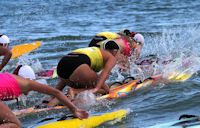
[110, 63]
[34, 86]
[7, 55]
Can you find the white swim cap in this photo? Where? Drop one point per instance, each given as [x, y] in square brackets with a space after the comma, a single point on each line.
[139, 38]
[27, 72]
[4, 39]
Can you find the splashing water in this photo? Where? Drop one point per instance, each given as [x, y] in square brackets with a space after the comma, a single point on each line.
[23, 99]
[85, 100]
[116, 74]
[173, 42]
[34, 63]
[107, 104]
[182, 65]
[178, 45]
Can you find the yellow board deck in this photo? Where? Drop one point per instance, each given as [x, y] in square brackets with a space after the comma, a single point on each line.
[22, 49]
[90, 122]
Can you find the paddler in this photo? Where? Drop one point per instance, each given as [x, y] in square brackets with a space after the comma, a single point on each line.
[79, 69]
[12, 86]
[4, 50]
[130, 44]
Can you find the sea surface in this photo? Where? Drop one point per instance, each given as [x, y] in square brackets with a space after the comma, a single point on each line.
[171, 28]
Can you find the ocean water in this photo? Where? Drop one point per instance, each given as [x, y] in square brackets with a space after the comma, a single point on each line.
[170, 28]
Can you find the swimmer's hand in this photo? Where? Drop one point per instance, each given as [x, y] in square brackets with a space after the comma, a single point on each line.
[81, 114]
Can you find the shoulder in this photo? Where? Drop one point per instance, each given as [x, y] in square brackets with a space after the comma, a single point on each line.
[106, 54]
[4, 50]
[109, 35]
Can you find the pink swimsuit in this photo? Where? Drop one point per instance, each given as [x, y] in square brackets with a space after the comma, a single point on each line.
[9, 87]
[127, 49]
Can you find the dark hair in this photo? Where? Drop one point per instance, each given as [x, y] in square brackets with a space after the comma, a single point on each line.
[127, 32]
[16, 71]
[111, 45]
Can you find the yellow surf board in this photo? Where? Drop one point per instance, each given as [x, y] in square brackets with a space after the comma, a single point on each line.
[120, 91]
[144, 84]
[22, 49]
[174, 77]
[115, 93]
[91, 122]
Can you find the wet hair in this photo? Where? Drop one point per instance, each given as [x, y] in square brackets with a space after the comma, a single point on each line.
[127, 32]
[111, 45]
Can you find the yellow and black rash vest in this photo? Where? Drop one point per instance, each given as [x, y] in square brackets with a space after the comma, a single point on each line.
[102, 44]
[95, 56]
[109, 35]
